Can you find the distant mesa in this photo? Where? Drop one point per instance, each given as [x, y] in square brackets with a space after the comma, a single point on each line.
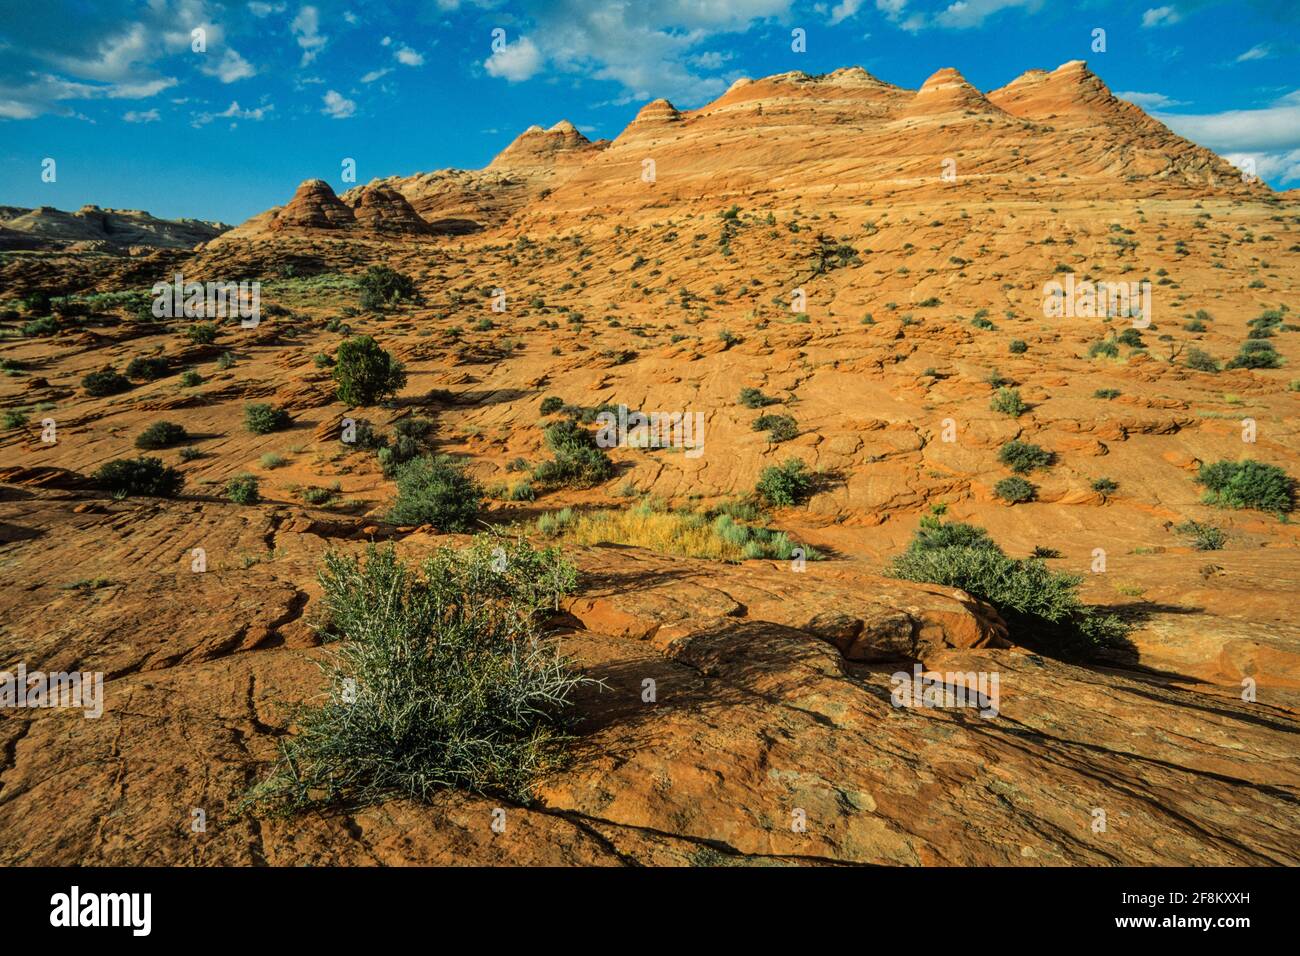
[92, 228]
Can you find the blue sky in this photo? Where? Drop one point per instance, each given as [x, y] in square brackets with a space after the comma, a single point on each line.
[283, 91]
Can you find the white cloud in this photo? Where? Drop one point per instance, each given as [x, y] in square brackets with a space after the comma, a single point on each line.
[230, 67]
[965, 14]
[1276, 127]
[338, 106]
[408, 57]
[265, 9]
[1160, 17]
[516, 61]
[306, 30]
[1260, 51]
[844, 10]
[376, 75]
[135, 116]
[1281, 166]
[232, 112]
[1150, 101]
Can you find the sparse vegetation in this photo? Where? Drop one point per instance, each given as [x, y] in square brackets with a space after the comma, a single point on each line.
[243, 490]
[1203, 537]
[262, 419]
[1247, 484]
[382, 287]
[161, 435]
[1023, 457]
[578, 461]
[437, 491]
[1007, 401]
[147, 476]
[107, 381]
[1014, 490]
[779, 428]
[364, 373]
[785, 485]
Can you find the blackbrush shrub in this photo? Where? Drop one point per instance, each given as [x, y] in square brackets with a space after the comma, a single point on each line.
[161, 435]
[1041, 606]
[410, 441]
[1106, 393]
[779, 428]
[1201, 361]
[382, 286]
[364, 373]
[443, 676]
[436, 491]
[107, 381]
[785, 485]
[1203, 537]
[202, 333]
[15, 418]
[191, 378]
[148, 368]
[1023, 457]
[1105, 487]
[262, 419]
[1130, 337]
[243, 490]
[552, 404]
[139, 476]
[754, 398]
[1259, 358]
[579, 462]
[1014, 490]
[1007, 401]
[1247, 484]
[1108, 349]
[1018, 347]
[46, 325]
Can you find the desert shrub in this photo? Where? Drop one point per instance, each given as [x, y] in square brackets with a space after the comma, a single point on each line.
[578, 461]
[1007, 401]
[1203, 537]
[1023, 457]
[436, 491]
[262, 419]
[443, 677]
[37, 303]
[364, 373]
[1256, 357]
[410, 441]
[1039, 605]
[243, 490]
[1018, 347]
[161, 435]
[1247, 484]
[1014, 490]
[272, 460]
[1201, 361]
[15, 418]
[148, 367]
[1105, 486]
[139, 476]
[191, 379]
[754, 398]
[1106, 393]
[1130, 337]
[107, 381]
[784, 485]
[381, 286]
[225, 360]
[552, 404]
[202, 333]
[1108, 349]
[522, 490]
[190, 453]
[779, 428]
[46, 325]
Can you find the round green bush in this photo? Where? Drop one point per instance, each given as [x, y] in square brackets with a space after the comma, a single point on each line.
[436, 491]
[1014, 490]
[107, 381]
[243, 490]
[262, 419]
[364, 373]
[785, 485]
[1023, 457]
[161, 435]
[139, 476]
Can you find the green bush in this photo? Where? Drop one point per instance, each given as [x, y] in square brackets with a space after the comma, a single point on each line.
[779, 428]
[1108, 349]
[47, 325]
[191, 379]
[262, 419]
[1106, 393]
[1018, 347]
[436, 491]
[382, 286]
[578, 461]
[139, 476]
[161, 435]
[243, 490]
[552, 404]
[1007, 401]
[148, 368]
[225, 360]
[364, 373]
[1014, 490]
[202, 333]
[1247, 484]
[1130, 337]
[785, 485]
[15, 418]
[411, 440]
[1201, 361]
[443, 678]
[1041, 606]
[754, 398]
[1256, 358]
[1023, 457]
[1204, 537]
[107, 381]
[1105, 487]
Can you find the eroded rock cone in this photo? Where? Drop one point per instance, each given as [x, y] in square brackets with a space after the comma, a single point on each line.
[314, 206]
[382, 208]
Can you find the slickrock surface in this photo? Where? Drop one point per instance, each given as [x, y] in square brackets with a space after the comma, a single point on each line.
[668, 285]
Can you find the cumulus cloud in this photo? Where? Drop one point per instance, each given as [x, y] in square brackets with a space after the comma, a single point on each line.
[1276, 127]
[233, 112]
[1150, 101]
[516, 61]
[230, 67]
[306, 30]
[136, 116]
[338, 106]
[408, 57]
[1160, 17]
